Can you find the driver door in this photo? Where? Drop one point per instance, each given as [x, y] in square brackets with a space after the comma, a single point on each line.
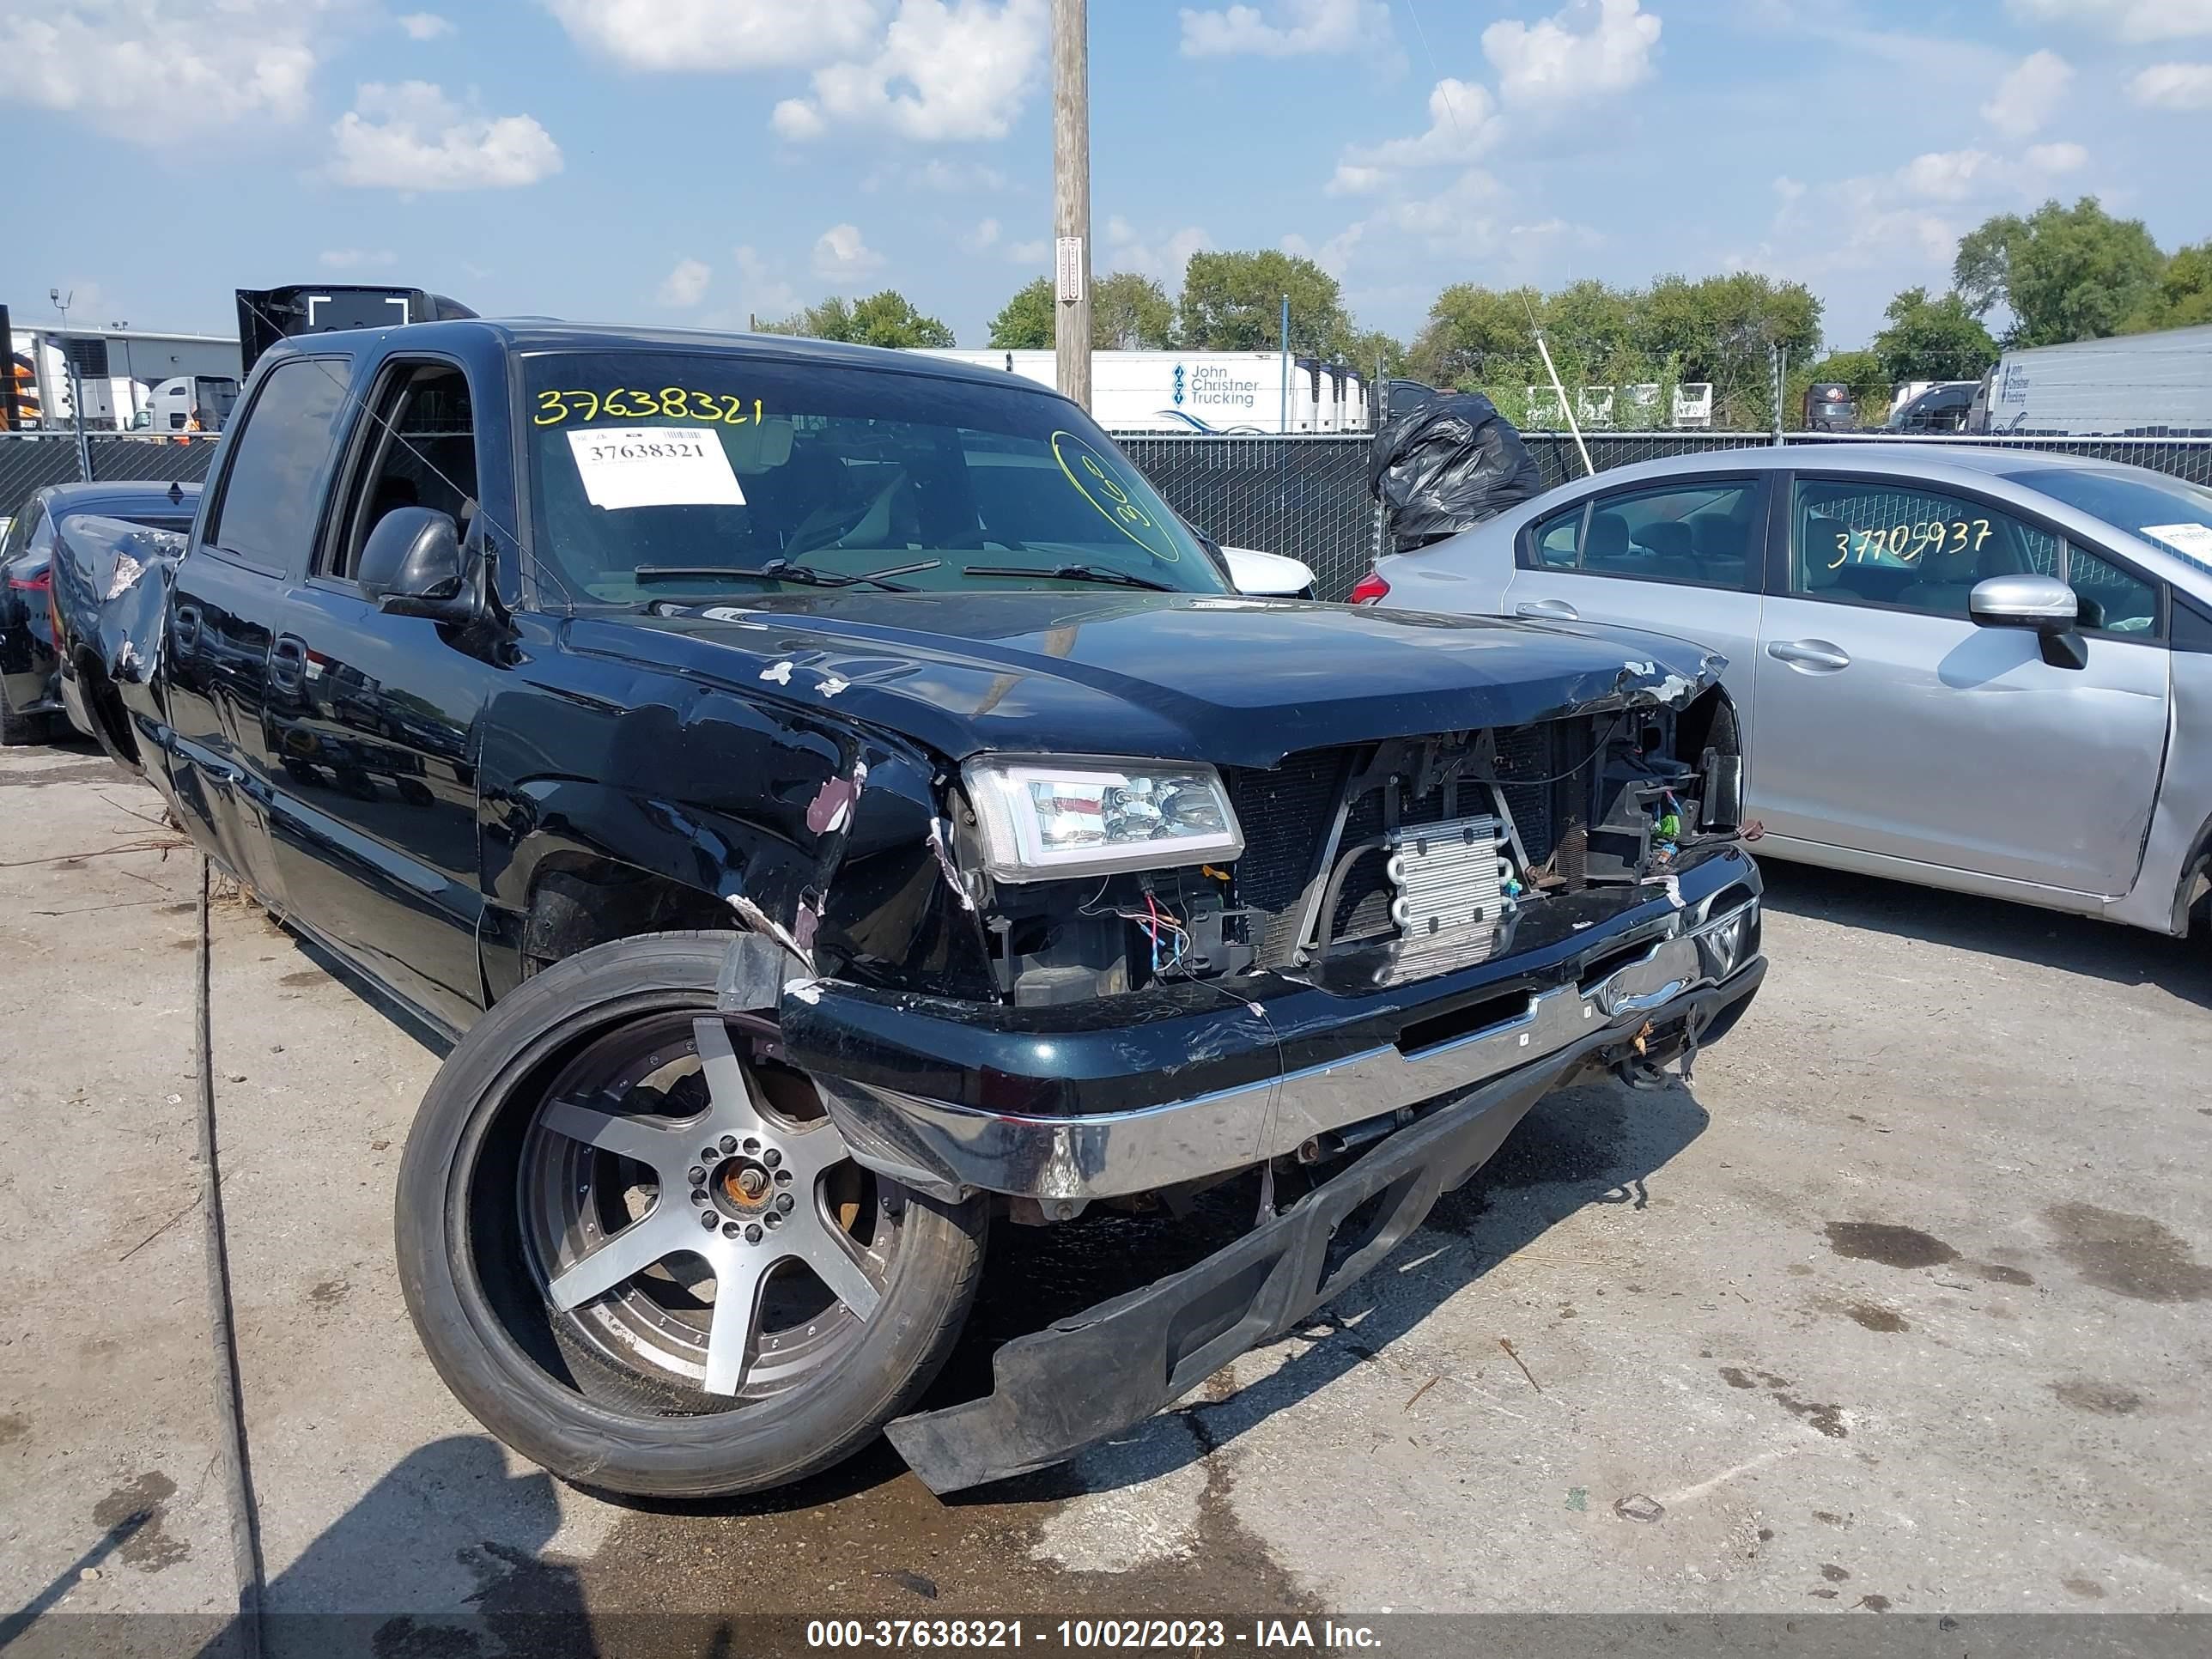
[1889, 723]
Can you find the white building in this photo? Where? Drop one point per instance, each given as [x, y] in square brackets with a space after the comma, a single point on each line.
[116, 368]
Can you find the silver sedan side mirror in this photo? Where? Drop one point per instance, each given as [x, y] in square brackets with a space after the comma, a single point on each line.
[2042, 603]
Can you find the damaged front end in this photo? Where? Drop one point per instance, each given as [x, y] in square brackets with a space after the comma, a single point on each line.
[1352, 971]
[109, 599]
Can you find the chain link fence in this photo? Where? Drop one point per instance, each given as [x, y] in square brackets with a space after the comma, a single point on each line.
[1304, 496]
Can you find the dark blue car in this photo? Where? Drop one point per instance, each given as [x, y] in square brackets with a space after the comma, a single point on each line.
[30, 701]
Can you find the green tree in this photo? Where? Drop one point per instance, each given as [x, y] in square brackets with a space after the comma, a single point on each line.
[1130, 313]
[1369, 347]
[1724, 330]
[2064, 273]
[1024, 323]
[1233, 303]
[888, 319]
[1478, 336]
[2183, 296]
[1933, 339]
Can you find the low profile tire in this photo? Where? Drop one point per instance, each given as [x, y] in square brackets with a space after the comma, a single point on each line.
[636, 1249]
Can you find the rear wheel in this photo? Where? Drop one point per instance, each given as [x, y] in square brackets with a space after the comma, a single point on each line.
[637, 1249]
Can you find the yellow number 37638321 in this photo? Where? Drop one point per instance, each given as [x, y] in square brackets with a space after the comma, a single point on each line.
[671, 403]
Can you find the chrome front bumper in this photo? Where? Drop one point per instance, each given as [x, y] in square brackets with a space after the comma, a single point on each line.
[1064, 1162]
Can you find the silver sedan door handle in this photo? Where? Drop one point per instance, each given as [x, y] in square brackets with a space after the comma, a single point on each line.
[1817, 656]
[1547, 611]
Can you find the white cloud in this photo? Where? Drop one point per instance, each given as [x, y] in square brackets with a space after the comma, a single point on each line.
[842, 256]
[1028, 253]
[761, 286]
[1161, 258]
[2057, 158]
[411, 137]
[2025, 98]
[711, 35]
[686, 285]
[115, 61]
[985, 235]
[1349, 180]
[1307, 26]
[2128, 20]
[424, 25]
[1587, 47]
[2173, 85]
[1462, 123]
[945, 69]
[1945, 175]
[354, 259]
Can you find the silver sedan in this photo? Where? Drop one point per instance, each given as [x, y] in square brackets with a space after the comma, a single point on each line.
[1974, 667]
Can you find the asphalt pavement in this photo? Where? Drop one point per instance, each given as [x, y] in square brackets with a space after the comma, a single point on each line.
[1899, 1308]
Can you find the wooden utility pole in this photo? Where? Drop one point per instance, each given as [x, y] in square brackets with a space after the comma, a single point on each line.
[1071, 198]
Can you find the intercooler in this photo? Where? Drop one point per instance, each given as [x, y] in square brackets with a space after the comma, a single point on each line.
[1288, 810]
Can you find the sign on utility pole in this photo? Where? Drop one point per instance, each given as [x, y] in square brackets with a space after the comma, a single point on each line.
[1071, 198]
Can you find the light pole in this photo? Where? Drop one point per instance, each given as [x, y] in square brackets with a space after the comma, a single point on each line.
[130, 375]
[1071, 198]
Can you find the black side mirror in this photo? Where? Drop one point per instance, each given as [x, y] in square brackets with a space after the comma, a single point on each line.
[411, 566]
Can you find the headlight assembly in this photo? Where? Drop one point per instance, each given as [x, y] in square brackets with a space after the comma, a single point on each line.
[1045, 820]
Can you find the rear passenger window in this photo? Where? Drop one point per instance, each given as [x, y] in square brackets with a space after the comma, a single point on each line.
[1863, 542]
[1556, 538]
[1701, 535]
[271, 497]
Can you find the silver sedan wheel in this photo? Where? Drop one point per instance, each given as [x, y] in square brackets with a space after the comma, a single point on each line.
[694, 1210]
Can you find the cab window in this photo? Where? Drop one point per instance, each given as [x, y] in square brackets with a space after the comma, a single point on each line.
[418, 451]
[272, 496]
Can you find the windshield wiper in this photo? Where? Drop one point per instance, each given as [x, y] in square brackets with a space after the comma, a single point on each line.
[782, 570]
[1072, 573]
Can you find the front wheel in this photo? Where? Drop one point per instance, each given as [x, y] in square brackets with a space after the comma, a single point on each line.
[638, 1251]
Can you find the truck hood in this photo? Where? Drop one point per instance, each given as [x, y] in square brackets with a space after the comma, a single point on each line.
[1237, 681]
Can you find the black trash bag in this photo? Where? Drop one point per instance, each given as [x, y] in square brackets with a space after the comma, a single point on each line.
[1446, 465]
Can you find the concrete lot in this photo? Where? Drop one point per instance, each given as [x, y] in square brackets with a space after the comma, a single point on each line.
[1901, 1306]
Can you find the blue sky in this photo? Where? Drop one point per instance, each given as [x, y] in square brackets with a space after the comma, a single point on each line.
[700, 160]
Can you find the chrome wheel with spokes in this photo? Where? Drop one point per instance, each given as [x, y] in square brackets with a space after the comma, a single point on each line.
[637, 1249]
[696, 1211]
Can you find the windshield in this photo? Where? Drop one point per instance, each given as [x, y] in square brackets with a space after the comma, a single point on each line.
[2174, 515]
[674, 476]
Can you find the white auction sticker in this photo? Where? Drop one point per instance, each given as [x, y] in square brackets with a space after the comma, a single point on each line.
[654, 466]
[2193, 539]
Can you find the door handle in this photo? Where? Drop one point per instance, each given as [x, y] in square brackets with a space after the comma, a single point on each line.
[1815, 656]
[187, 627]
[287, 661]
[1547, 611]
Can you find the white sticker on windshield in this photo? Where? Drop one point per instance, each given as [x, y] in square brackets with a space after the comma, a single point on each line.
[654, 466]
[2193, 539]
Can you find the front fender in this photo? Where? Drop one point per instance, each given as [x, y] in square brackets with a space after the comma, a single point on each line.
[824, 832]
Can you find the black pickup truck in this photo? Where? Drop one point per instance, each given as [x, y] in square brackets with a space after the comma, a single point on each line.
[844, 809]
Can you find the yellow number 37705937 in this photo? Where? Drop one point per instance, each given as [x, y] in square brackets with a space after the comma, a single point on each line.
[672, 403]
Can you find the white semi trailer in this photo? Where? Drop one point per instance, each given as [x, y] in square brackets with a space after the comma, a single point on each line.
[2156, 384]
[1236, 393]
